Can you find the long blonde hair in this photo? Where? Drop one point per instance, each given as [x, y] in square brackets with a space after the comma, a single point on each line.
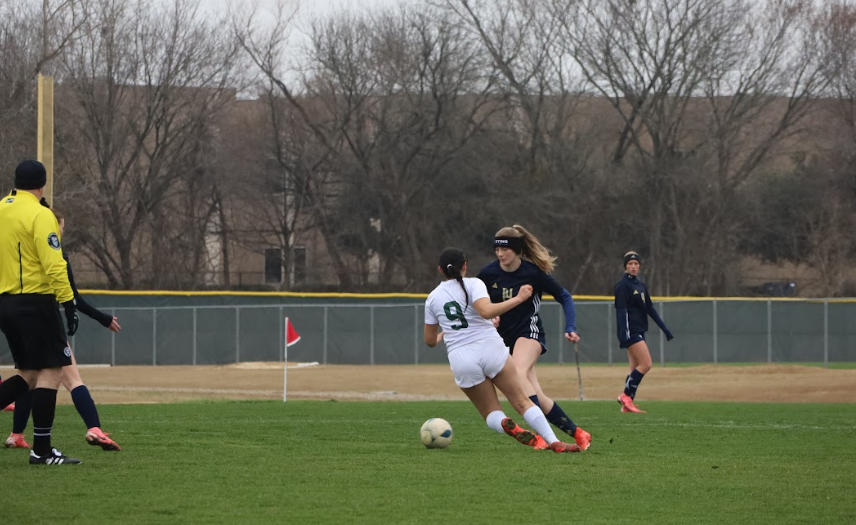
[533, 250]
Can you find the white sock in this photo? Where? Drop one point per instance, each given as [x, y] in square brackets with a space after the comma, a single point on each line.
[535, 418]
[494, 420]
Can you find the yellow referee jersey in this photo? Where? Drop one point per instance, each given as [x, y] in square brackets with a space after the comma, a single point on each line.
[30, 251]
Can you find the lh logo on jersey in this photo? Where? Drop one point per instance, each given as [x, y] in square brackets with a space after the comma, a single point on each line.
[10, 200]
[53, 241]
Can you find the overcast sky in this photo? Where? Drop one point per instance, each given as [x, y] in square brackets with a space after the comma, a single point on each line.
[308, 7]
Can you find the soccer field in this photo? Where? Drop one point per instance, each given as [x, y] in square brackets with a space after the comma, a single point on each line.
[243, 462]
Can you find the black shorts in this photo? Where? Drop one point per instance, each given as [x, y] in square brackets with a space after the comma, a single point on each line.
[511, 339]
[635, 337]
[35, 331]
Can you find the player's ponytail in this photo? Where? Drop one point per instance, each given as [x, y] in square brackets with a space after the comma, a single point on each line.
[451, 263]
[532, 248]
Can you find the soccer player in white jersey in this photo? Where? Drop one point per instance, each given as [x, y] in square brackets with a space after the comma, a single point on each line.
[478, 357]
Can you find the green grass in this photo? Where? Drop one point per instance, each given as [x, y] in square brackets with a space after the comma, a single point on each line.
[341, 463]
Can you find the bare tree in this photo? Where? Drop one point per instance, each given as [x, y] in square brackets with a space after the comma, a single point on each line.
[272, 151]
[32, 34]
[392, 99]
[839, 57]
[756, 67]
[269, 51]
[553, 136]
[144, 84]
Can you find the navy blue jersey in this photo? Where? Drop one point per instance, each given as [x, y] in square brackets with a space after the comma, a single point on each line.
[524, 320]
[632, 307]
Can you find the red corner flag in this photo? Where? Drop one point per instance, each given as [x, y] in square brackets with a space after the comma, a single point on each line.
[291, 335]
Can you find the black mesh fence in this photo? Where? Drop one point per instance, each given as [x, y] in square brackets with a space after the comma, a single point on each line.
[221, 329]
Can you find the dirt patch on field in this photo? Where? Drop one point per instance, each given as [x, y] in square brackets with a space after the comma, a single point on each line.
[164, 384]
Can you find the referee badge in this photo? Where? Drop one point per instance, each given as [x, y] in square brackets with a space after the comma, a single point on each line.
[53, 241]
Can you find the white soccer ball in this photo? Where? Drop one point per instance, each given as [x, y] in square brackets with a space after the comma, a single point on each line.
[436, 433]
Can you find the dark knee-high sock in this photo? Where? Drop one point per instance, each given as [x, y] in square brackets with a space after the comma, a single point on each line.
[22, 413]
[561, 420]
[12, 389]
[632, 383]
[85, 406]
[44, 409]
[534, 399]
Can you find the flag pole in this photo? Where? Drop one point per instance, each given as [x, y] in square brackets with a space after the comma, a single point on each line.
[285, 363]
[291, 337]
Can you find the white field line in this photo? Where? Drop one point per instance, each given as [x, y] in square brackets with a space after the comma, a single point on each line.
[395, 396]
[379, 396]
[738, 426]
[727, 424]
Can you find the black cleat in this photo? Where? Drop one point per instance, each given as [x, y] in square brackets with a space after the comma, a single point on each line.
[54, 458]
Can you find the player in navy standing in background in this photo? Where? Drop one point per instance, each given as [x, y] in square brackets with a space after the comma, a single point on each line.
[632, 308]
[522, 259]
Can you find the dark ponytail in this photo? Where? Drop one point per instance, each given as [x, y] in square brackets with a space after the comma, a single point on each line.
[452, 262]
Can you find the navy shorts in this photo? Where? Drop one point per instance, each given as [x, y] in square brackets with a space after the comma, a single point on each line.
[634, 338]
[35, 331]
[511, 339]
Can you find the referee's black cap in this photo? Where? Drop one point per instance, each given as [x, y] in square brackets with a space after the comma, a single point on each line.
[30, 175]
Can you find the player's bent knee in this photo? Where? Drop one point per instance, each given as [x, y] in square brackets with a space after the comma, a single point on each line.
[521, 404]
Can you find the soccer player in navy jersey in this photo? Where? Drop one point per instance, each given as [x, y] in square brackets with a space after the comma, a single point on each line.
[632, 308]
[521, 259]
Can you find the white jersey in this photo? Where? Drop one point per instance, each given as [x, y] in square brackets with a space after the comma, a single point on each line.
[459, 321]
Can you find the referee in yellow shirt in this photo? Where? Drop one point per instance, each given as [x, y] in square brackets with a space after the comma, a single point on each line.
[33, 278]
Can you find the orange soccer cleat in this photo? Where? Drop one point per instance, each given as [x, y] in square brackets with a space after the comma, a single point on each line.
[16, 441]
[95, 437]
[9, 408]
[541, 443]
[559, 447]
[627, 405]
[582, 438]
[528, 438]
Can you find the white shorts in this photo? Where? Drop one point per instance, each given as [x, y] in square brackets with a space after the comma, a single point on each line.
[473, 362]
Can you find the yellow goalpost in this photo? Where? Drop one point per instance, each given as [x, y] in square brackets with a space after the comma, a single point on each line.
[45, 130]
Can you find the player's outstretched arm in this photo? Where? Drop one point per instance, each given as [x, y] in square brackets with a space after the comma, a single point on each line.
[489, 310]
